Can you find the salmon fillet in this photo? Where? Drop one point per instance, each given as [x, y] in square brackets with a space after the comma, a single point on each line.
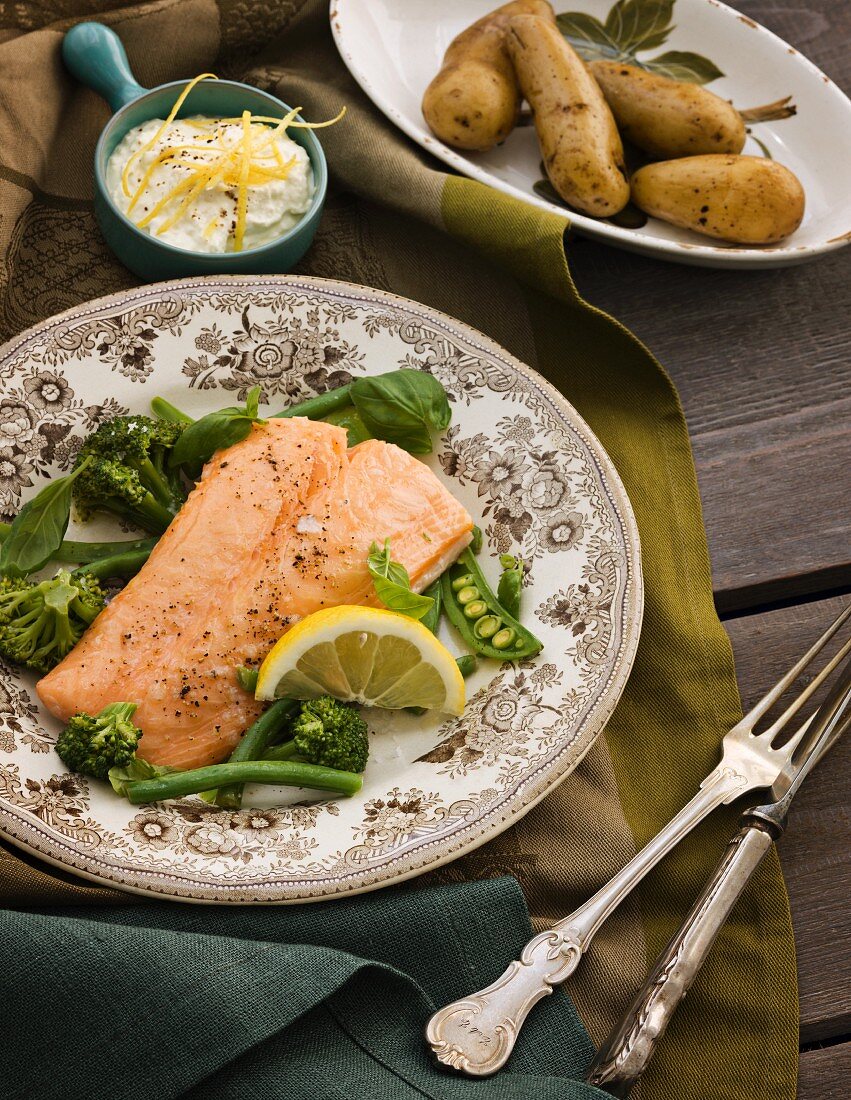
[279, 526]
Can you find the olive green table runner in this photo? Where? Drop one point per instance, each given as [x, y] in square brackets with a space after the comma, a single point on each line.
[398, 221]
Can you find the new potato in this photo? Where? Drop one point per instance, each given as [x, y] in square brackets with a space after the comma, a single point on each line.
[745, 200]
[668, 118]
[474, 101]
[579, 141]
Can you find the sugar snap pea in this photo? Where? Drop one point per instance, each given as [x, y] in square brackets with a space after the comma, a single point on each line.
[483, 622]
[467, 664]
[510, 583]
[431, 619]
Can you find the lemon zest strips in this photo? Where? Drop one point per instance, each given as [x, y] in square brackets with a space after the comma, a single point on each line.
[255, 160]
[125, 175]
[288, 122]
[242, 186]
[208, 179]
[171, 152]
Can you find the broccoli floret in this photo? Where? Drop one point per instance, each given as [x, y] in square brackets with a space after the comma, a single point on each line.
[94, 744]
[129, 474]
[40, 623]
[332, 734]
[103, 746]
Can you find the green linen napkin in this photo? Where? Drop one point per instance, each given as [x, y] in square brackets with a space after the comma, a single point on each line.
[398, 221]
[318, 1002]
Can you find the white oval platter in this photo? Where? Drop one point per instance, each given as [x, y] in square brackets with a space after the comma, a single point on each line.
[393, 50]
[517, 455]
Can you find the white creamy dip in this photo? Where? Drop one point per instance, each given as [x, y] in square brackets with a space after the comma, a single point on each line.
[203, 214]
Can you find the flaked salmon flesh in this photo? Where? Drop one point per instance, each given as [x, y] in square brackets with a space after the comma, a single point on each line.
[278, 526]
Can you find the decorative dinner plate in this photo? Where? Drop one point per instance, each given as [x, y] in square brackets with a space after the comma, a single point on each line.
[516, 454]
[393, 50]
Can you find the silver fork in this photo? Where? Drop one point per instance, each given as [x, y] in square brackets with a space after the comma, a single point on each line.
[476, 1034]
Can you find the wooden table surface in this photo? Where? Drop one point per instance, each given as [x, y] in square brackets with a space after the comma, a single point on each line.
[762, 361]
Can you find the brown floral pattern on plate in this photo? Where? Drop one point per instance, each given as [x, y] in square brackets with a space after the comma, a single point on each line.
[516, 455]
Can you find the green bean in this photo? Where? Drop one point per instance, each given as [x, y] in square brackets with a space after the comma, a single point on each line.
[478, 539]
[76, 553]
[467, 593]
[119, 565]
[316, 408]
[253, 744]
[285, 751]
[335, 406]
[484, 623]
[284, 773]
[166, 411]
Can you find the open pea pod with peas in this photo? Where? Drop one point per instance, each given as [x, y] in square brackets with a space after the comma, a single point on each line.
[482, 621]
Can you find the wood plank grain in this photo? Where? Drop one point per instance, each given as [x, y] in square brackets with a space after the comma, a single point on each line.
[825, 1074]
[816, 849]
[761, 362]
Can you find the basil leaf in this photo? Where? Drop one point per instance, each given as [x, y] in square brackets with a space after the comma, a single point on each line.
[214, 432]
[252, 402]
[402, 407]
[379, 561]
[39, 528]
[349, 418]
[393, 585]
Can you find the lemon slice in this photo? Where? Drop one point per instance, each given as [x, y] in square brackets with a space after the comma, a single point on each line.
[363, 655]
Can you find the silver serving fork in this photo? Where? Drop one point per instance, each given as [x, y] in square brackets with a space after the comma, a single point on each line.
[477, 1033]
[624, 1056]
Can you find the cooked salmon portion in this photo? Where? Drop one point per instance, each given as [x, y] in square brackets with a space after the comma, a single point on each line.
[279, 526]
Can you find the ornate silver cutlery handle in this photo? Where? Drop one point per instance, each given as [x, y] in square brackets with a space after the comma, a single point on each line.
[625, 1054]
[476, 1034]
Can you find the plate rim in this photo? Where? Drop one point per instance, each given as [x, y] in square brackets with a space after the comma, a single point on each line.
[707, 255]
[30, 832]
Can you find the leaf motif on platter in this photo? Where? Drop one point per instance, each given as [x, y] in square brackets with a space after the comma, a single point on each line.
[631, 27]
[684, 65]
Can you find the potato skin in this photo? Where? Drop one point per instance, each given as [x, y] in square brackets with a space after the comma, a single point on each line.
[579, 141]
[745, 200]
[668, 118]
[474, 101]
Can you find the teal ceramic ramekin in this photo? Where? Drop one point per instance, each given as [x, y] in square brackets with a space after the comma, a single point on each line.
[95, 55]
